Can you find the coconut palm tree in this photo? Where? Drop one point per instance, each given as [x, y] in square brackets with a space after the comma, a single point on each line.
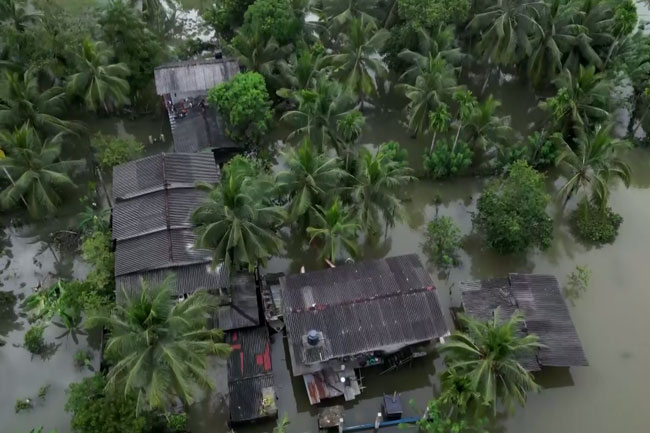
[434, 86]
[99, 82]
[466, 105]
[374, 194]
[358, 61]
[37, 176]
[488, 353]
[349, 127]
[336, 228]
[237, 222]
[311, 178]
[595, 19]
[438, 122]
[22, 101]
[486, 128]
[19, 14]
[592, 162]
[550, 47]
[317, 111]
[582, 101]
[300, 70]
[505, 27]
[439, 40]
[160, 347]
[255, 52]
[338, 13]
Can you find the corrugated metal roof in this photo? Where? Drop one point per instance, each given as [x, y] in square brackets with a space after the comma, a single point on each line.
[546, 315]
[163, 249]
[198, 131]
[246, 397]
[188, 279]
[174, 170]
[249, 372]
[481, 298]
[155, 212]
[154, 200]
[243, 311]
[359, 308]
[193, 75]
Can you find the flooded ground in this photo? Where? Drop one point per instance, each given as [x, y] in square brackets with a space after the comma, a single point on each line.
[611, 316]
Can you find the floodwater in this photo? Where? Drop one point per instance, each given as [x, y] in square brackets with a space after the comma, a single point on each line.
[611, 316]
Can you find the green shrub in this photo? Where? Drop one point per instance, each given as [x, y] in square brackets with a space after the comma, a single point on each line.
[512, 214]
[273, 19]
[34, 341]
[443, 162]
[95, 409]
[83, 358]
[96, 250]
[595, 224]
[226, 16]
[245, 105]
[577, 283]
[177, 423]
[112, 151]
[540, 152]
[442, 242]
[429, 13]
[395, 152]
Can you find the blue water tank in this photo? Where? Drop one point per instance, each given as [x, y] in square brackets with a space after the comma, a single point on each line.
[313, 337]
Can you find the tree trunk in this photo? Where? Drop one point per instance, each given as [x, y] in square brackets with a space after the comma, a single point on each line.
[460, 127]
[433, 142]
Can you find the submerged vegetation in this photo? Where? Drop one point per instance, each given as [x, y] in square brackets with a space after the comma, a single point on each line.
[311, 73]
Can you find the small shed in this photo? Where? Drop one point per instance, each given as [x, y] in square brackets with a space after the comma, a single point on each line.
[546, 315]
[184, 87]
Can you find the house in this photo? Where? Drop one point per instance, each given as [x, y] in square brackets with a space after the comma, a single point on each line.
[154, 198]
[184, 88]
[545, 313]
[357, 315]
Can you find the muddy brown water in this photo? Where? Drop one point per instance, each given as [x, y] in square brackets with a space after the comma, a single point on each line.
[611, 316]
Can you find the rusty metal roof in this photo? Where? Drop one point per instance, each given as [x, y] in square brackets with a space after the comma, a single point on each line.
[249, 372]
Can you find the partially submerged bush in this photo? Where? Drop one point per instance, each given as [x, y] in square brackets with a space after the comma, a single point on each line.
[112, 151]
[83, 358]
[442, 241]
[446, 162]
[177, 423]
[34, 341]
[23, 404]
[594, 223]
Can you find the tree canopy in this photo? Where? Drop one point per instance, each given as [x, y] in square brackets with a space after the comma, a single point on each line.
[511, 212]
